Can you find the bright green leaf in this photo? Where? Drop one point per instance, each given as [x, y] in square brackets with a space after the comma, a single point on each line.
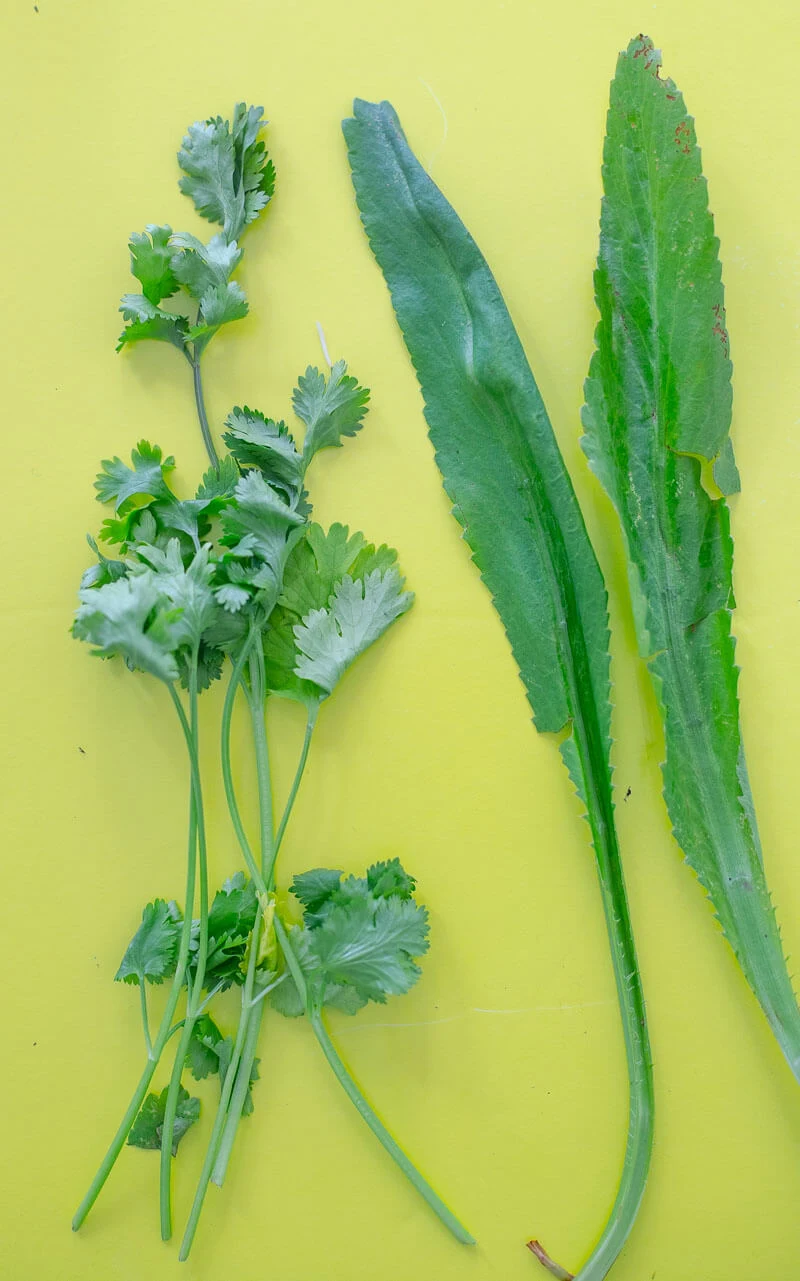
[152, 952]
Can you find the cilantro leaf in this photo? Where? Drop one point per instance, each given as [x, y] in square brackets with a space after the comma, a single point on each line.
[148, 321]
[261, 515]
[329, 408]
[257, 441]
[202, 1058]
[186, 588]
[117, 482]
[359, 939]
[314, 570]
[219, 483]
[146, 1129]
[317, 564]
[230, 922]
[104, 571]
[130, 617]
[227, 173]
[390, 880]
[370, 944]
[209, 666]
[315, 887]
[152, 952]
[329, 640]
[219, 305]
[151, 256]
[198, 267]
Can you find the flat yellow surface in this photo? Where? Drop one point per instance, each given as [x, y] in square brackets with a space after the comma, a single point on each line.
[503, 1071]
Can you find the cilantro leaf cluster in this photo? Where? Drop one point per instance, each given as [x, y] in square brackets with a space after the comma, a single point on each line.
[230, 179]
[359, 941]
[194, 576]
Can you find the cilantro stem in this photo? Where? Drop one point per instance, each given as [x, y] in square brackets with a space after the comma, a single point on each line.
[355, 1096]
[310, 723]
[166, 1029]
[170, 1108]
[252, 1023]
[201, 412]
[256, 697]
[227, 772]
[225, 1097]
[145, 1019]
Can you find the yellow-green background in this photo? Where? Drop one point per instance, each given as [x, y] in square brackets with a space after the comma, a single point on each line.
[503, 1072]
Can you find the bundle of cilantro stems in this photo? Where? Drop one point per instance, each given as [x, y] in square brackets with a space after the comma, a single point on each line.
[238, 581]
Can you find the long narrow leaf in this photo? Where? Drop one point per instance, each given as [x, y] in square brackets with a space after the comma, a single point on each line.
[503, 471]
[658, 409]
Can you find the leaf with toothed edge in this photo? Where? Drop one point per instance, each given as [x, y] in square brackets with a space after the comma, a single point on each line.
[658, 410]
[511, 494]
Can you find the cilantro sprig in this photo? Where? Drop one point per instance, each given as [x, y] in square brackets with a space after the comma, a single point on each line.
[232, 578]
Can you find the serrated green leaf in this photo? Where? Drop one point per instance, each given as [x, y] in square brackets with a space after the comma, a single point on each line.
[257, 441]
[152, 952]
[146, 1129]
[219, 305]
[511, 494]
[202, 1058]
[330, 639]
[227, 173]
[330, 407]
[200, 267]
[132, 618]
[219, 483]
[370, 944]
[262, 516]
[315, 887]
[118, 482]
[150, 322]
[390, 880]
[658, 405]
[150, 262]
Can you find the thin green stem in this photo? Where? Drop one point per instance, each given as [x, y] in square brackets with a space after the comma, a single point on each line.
[301, 765]
[225, 1097]
[171, 1105]
[166, 1030]
[201, 412]
[252, 1020]
[227, 772]
[256, 696]
[145, 1019]
[360, 1103]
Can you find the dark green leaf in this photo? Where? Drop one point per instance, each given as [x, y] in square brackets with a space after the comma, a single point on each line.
[152, 952]
[202, 1058]
[150, 262]
[146, 1129]
[658, 405]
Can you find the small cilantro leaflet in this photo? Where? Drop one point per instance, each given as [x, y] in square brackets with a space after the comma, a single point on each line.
[152, 952]
[230, 922]
[202, 1058]
[257, 441]
[150, 322]
[219, 305]
[199, 267]
[329, 640]
[227, 173]
[146, 1129]
[151, 256]
[117, 481]
[330, 408]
